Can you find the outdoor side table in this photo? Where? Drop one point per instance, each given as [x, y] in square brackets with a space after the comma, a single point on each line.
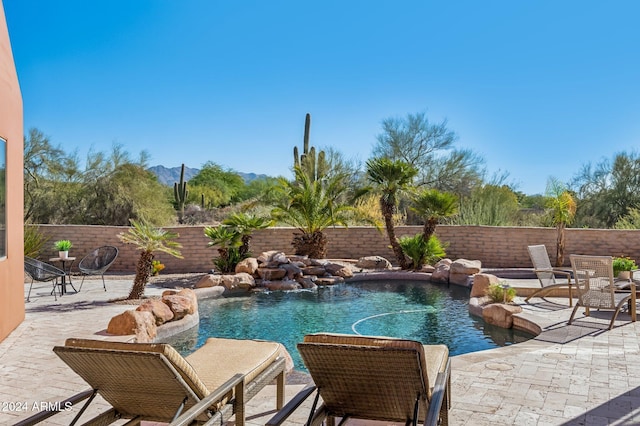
[67, 272]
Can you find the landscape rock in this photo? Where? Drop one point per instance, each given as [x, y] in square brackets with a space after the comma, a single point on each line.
[460, 279]
[209, 280]
[271, 274]
[282, 285]
[464, 266]
[293, 270]
[500, 314]
[481, 283]
[179, 305]
[329, 280]
[140, 323]
[373, 262]
[280, 258]
[248, 265]
[265, 257]
[160, 311]
[441, 272]
[314, 270]
[307, 282]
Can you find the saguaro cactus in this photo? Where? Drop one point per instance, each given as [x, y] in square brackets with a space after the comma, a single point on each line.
[314, 166]
[180, 194]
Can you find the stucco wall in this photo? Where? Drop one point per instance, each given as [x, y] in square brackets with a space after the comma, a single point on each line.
[11, 267]
[500, 247]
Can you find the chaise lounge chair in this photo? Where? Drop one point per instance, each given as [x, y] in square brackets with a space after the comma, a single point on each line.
[373, 378]
[598, 289]
[546, 274]
[146, 381]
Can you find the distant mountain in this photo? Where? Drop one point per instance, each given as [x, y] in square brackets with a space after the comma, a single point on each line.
[169, 176]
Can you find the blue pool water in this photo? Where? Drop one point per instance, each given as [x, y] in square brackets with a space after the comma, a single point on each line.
[414, 310]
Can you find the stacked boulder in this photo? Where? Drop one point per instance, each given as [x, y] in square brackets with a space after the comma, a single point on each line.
[274, 270]
[459, 272]
[143, 322]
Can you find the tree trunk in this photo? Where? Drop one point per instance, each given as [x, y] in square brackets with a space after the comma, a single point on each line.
[391, 233]
[244, 248]
[143, 272]
[429, 228]
[313, 245]
[560, 245]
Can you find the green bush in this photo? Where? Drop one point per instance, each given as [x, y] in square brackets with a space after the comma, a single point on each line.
[498, 294]
[623, 264]
[421, 252]
[34, 240]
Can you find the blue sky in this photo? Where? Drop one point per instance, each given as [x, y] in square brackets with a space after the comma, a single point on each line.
[538, 88]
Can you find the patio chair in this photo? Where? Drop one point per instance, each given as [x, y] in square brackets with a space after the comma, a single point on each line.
[598, 289]
[97, 262]
[373, 378]
[43, 272]
[547, 274]
[152, 382]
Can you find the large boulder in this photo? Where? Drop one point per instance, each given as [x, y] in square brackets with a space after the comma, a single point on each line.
[373, 262]
[500, 314]
[441, 272]
[180, 305]
[314, 270]
[240, 281]
[265, 257]
[293, 270]
[140, 323]
[467, 267]
[271, 274]
[248, 265]
[282, 285]
[209, 280]
[160, 311]
[339, 270]
[481, 283]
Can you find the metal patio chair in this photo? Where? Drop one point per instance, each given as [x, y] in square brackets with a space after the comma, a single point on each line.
[42, 272]
[97, 262]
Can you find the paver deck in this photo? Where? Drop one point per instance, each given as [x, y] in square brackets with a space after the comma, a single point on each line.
[581, 374]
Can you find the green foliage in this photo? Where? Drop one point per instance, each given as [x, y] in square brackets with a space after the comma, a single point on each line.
[501, 292]
[314, 166]
[228, 239]
[227, 182]
[629, 221]
[62, 245]
[607, 191]
[429, 148]
[156, 267]
[421, 251]
[623, 264]
[34, 240]
[110, 190]
[489, 205]
[148, 239]
[180, 194]
[433, 205]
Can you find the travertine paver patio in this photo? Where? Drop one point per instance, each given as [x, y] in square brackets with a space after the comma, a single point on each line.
[581, 374]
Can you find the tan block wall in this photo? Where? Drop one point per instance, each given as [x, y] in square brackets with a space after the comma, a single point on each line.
[496, 247]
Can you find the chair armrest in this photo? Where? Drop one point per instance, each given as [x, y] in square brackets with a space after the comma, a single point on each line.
[562, 272]
[437, 396]
[291, 406]
[189, 416]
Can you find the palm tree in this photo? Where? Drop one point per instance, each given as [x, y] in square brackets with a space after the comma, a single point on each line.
[391, 179]
[246, 224]
[311, 206]
[433, 205]
[228, 239]
[148, 239]
[563, 211]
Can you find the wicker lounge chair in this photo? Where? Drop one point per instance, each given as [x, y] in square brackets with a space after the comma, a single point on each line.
[546, 274]
[598, 289]
[43, 272]
[373, 378]
[153, 382]
[97, 262]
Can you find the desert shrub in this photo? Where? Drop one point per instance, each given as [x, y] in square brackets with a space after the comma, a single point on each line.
[421, 251]
[501, 292]
[34, 240]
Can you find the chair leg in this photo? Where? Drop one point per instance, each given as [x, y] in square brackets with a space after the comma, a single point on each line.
[573, 314]
[29, 294]
[103, 284]
[81, 282]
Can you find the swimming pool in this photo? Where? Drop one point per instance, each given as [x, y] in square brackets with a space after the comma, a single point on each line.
[414, 310]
